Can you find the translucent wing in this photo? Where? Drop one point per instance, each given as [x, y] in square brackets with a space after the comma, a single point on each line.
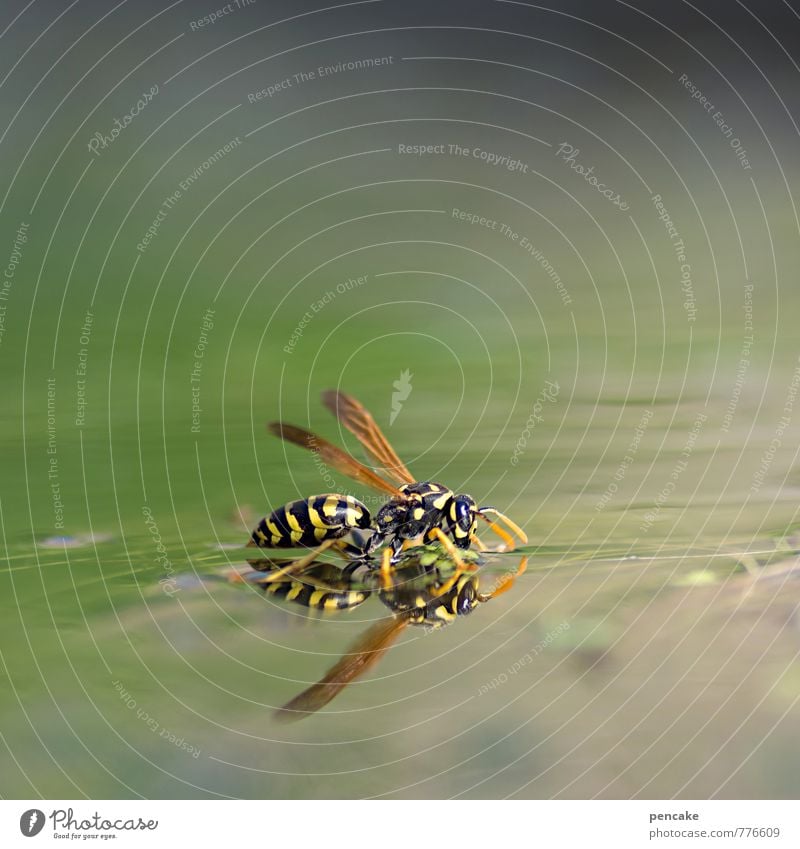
[363, 654]
[358, 420]
[332, 456]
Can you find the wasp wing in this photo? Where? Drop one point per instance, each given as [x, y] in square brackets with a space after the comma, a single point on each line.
[361, 656]
[332, 456]
[358, 420]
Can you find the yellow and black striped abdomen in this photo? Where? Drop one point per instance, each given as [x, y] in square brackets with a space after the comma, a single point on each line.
[317, 598]
[310, 521]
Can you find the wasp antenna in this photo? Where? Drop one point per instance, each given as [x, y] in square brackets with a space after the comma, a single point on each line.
[508, 540]
[513, 526]
[506, 582]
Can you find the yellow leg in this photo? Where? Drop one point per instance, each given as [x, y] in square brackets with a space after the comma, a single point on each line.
[448, 584]
[340, 546]
[508, 540]
[480, 545]
[447, 544]
[309, 580]
[300, 563]
[387, 570]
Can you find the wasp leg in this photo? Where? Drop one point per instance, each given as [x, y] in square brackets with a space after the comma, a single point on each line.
[480, 545]
[447, 544]
[307, 579]
[386, 564]
[358, 553]
[506, 583]
[300, 563]
[448, 584]
[508, 540]
[262, 571]
[350, 551]
[397, 546]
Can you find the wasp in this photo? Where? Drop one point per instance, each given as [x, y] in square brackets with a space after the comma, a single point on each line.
[414, 510]
[417, 591]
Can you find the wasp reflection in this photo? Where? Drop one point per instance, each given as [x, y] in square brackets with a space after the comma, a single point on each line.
[425, 588]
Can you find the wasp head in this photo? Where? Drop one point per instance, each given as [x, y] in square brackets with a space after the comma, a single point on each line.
[462, 519]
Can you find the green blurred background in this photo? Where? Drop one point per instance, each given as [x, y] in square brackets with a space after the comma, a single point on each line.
[658, 487]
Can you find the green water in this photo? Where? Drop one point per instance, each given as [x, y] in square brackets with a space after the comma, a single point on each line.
[660, 658]
[642, 428]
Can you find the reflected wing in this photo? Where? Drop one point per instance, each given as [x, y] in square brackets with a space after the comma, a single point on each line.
[358, 420]
[332, 456]
[363, 654]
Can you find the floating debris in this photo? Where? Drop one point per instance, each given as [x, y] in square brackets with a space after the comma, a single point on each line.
[78, 541]
[242, 514]
[698, 578]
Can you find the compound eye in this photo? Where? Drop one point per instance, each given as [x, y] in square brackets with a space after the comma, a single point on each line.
[466, 600]
[464, 514]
